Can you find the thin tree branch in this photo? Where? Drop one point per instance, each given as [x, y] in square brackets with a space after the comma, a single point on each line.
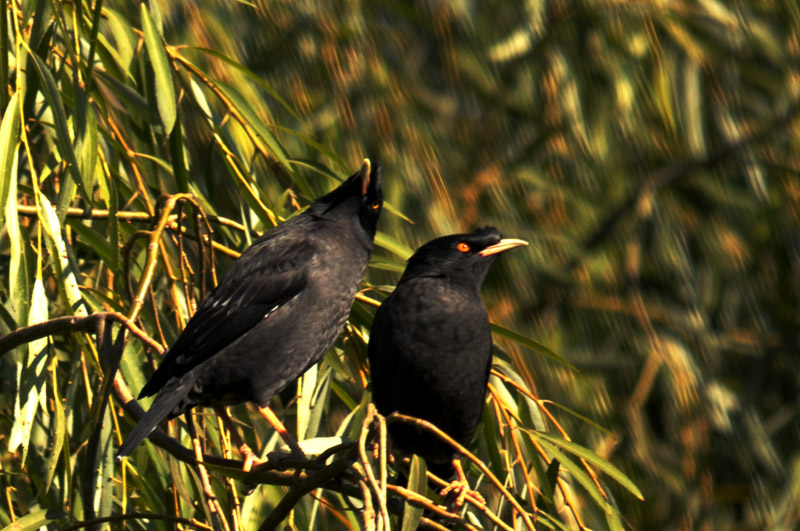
[136, 516]
[62, 325]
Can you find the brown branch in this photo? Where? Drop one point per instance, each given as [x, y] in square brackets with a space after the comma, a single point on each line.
[125, 215]
[419, 500]
[136, 516]
[378, 489]
[62, 325]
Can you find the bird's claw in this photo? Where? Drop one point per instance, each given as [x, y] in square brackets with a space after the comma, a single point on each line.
[463, 490]
[250, 458]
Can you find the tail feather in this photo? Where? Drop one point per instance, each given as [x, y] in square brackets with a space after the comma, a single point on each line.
[161, 409]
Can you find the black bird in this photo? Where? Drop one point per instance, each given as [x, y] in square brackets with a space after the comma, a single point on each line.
[430, 348]
[275, 313]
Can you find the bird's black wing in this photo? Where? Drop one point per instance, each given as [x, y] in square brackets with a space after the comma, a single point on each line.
[269, 274]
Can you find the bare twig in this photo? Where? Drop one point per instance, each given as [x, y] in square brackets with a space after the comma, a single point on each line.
[417, 499]
[378, 489]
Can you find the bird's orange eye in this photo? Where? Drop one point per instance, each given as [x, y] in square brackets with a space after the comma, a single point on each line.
[463, 247]
[375, 205]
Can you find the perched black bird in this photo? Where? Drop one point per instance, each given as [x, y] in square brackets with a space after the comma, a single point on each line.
[275, 313]
[430, 348]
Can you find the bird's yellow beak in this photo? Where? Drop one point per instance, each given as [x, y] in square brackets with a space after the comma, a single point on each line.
[364, 172]
[503, 245]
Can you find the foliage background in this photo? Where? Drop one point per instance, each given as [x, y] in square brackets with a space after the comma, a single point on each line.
[647, 150]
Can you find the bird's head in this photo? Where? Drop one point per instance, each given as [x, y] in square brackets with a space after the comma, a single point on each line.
[464, 258]
[359, 197]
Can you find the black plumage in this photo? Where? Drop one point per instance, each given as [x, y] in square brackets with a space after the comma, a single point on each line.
[275, 313]
[430, 345]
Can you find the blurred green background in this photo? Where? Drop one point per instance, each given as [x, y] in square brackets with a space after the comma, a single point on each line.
[648, 151]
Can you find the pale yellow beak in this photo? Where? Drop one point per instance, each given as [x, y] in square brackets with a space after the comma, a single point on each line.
[365, 170]
[503, 245]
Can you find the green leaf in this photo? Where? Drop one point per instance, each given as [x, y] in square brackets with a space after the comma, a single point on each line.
[579, 474]
[136, 105]
[85, 139]
[263, 84]
[615, 473]
[176, 154]
[58, 431]
[35, 520]
[386, 264]
[165, 89]
[417, 482]
[53, 98]
[93, 240]
[31, 379]
[18, 283]
[305, 389]
[9, 145]
[66, 279]
[531, 344]
[256, 124]
[391, 244]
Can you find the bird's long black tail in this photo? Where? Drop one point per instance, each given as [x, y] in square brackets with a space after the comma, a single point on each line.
[161, 409]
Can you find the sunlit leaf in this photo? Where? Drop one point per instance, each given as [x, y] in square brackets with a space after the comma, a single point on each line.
[35, 520]
[615, 473]
[417, 482]
[165, 89]
[9, 144]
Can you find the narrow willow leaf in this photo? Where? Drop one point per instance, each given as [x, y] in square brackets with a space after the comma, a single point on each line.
[93, 240]
[53, 98]
[32, 378]
[250, 195]
[137, 106]
[35, 520]
[317, 167]
[256, 124]
[9, 145]
[390, 244]
[386, 264]
[18, 283]
[176, 154]
[417, 482]
[491, 437]
[551, 522]
[583, 418]
[615, 473]
[58, 429]
[165, 89]
[531, 344]
[503, 395]
[579, 474]
[263, 84]
[305, 390]
[65, 275]
[316, 145]
[85, 139]
[319, 401]
[107, 464]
